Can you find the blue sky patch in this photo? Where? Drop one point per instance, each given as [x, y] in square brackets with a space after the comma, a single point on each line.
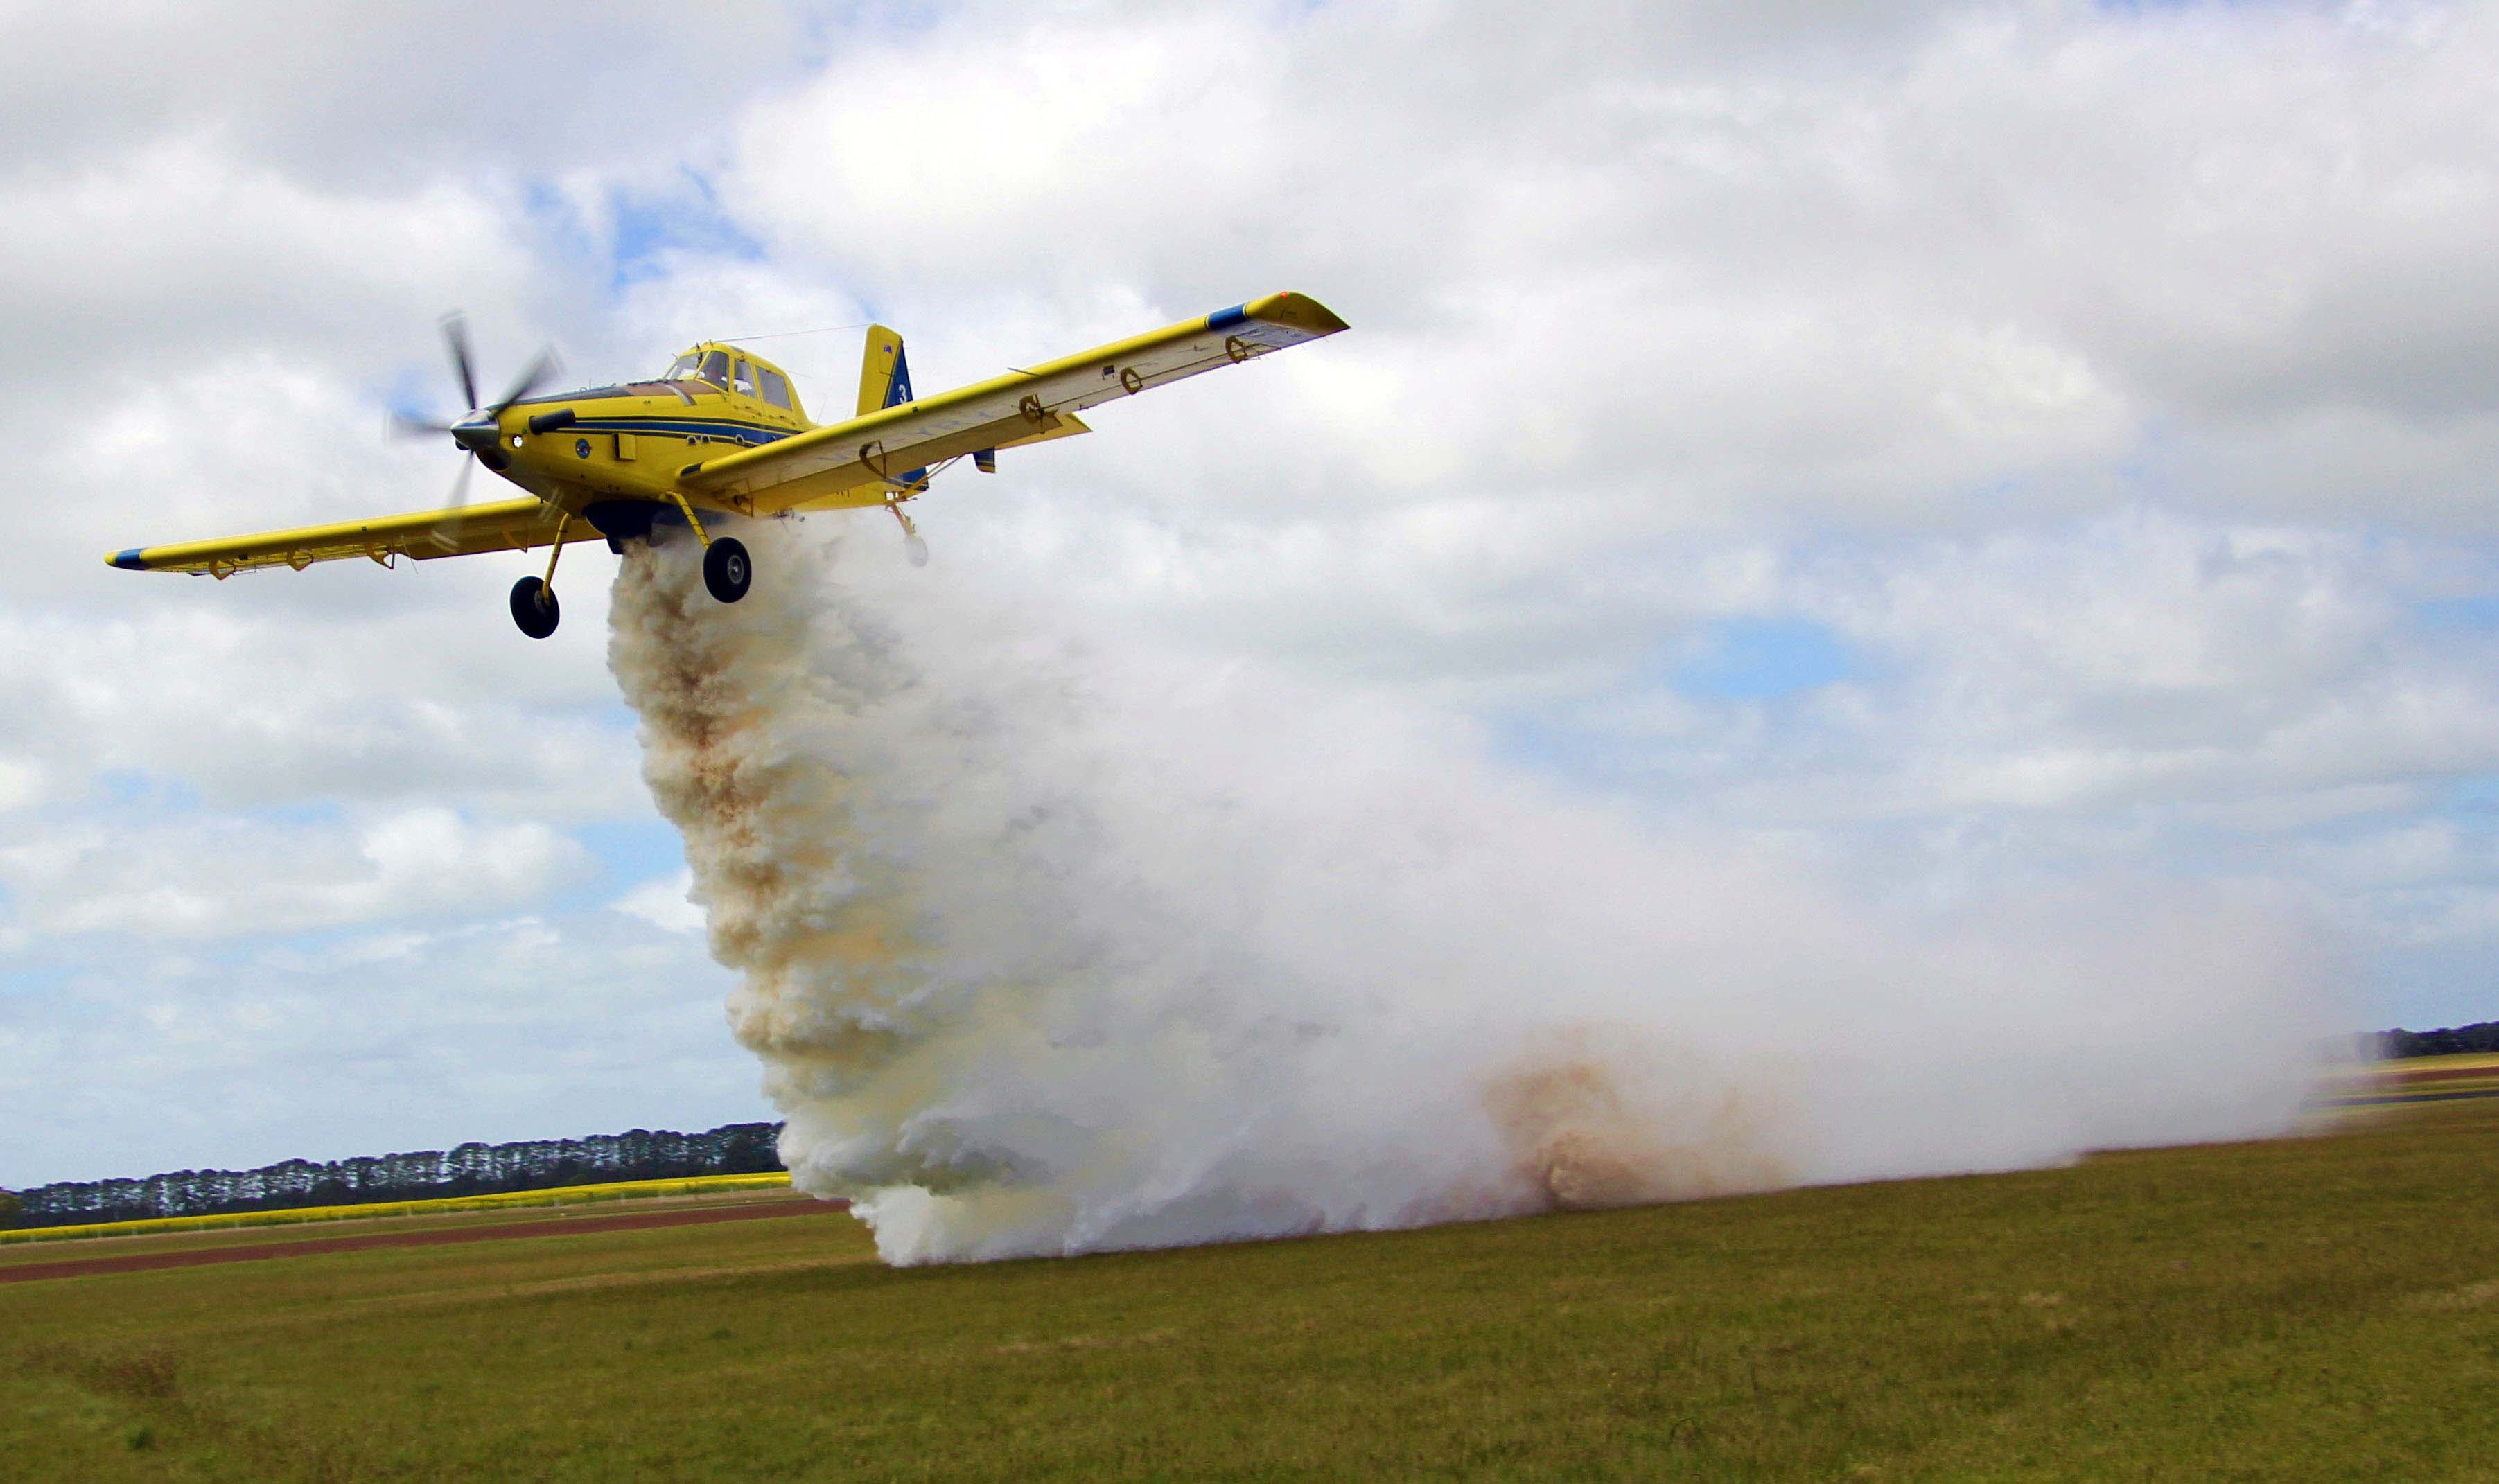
[691, 220]
[643, 229]
[2476, 794]
[2450, 613]
[132, 789]
[633, 851]
[1743, 659]
[32, 982]
[1526, 739]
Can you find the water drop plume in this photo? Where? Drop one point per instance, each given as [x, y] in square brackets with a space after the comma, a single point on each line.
[1051, 941]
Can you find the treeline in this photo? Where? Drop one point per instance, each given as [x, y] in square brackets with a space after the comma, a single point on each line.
[473, 1168]
[2480, 1037]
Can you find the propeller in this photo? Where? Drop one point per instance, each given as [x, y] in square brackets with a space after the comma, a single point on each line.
[402, 426]
[455, 335]
[479, 432]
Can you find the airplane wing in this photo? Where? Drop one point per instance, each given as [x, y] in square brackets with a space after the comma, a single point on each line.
[868, 458]
[502, 525]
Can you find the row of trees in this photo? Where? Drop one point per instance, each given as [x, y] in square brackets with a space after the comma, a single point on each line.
[473, 1168]
[2482, 1036]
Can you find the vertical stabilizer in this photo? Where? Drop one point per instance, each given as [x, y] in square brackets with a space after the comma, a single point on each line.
[885, 381]
[885, 373]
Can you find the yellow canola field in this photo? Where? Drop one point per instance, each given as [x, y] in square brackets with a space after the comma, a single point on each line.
[562, 1195]
[2461, 1061]
[2415, 1078]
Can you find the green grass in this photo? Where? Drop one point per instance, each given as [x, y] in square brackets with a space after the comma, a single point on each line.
[2314, 1309]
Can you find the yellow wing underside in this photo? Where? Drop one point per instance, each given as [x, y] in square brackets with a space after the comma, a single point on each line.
[421, 535]
[857, 487]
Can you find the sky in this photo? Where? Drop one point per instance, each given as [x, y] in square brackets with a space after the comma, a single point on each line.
[2030, 445]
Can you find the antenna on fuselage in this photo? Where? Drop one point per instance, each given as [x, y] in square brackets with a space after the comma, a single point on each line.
[784, 335]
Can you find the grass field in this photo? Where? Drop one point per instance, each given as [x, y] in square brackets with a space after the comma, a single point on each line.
[2316, 1310]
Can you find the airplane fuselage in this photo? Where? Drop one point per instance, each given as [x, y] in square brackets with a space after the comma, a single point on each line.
[582, 449]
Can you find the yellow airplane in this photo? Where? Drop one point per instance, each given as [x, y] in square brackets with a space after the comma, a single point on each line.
[720, 436]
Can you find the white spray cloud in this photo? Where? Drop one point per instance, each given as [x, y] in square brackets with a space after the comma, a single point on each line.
[1051, 942]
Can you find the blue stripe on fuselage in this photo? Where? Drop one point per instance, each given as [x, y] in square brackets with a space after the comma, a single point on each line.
[744, 433]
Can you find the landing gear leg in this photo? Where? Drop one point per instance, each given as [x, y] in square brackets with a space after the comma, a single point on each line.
[912, 546]
[726, 571]
[534, 604]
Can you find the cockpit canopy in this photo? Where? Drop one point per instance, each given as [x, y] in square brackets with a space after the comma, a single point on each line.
[700, 366]
[729, 370]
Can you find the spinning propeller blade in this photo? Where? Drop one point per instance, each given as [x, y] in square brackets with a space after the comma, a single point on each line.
[455, 335]
[539, 370]
[402, 426]
[468, 432]
[459, 501]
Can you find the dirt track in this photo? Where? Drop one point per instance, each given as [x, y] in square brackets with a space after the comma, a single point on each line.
[624, 1221]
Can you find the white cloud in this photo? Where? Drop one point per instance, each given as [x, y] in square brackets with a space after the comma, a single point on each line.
[1737, 279]
[387, 93]
[21, 782]
[664, 904]
[222, 878]
[182, 247]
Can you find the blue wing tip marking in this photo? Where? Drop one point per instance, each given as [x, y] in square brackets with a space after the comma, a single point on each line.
[128, 561]
[1225, 319]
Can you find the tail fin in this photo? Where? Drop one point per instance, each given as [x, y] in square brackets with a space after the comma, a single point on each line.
[885, 373]
[885, 381]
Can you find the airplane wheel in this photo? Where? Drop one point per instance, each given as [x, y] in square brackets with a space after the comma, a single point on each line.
[727, 571]
[917, 549]
[534, 607]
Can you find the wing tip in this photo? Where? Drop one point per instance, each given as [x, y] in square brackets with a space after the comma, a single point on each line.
[1299, 312]
[133, 560]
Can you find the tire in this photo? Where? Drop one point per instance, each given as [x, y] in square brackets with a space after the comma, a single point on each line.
[727, 569]
[534, 607]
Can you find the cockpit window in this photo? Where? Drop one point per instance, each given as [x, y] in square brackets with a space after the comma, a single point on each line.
[700, 366]
[745, 380]
[776, 387]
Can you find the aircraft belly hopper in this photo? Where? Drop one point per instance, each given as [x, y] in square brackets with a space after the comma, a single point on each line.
[723, 432]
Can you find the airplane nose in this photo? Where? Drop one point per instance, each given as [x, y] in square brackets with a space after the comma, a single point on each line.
[476, 434]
